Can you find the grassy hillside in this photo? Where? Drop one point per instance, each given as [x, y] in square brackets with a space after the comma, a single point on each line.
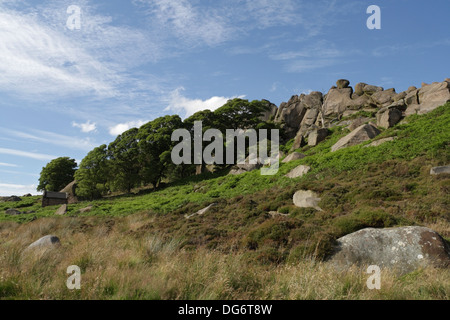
[142, 246]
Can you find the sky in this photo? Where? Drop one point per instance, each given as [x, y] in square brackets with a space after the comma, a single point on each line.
[75, 74]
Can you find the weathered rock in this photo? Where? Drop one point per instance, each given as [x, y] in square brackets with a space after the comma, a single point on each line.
[275, 214]
[337, 101]
[379, 142]
[27, 195]
[201, 212]
[299, 141]
[342, 83]
[400, 96]
[357, 136]
[401, 249]
[13, 212]
[271, 112]
[412, 98]
[12, 199]
[246, 167]
[364, 88]
[85, 210]
[384, 98]
[293, 156]
[291, 115]
[440, 170]
[433, 96]
[298, 172]
[47, 242]
[70, 189]
[358, 122]
[388, 117]
[307, 199]
[61, 210]
[317, 136]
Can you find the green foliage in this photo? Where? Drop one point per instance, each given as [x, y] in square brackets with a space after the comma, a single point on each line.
[93, 174]
[57, 174]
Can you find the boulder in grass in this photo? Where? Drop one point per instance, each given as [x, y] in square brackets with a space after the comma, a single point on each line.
[61, 210]
[399, 249]
[357, 136]
[47, 242]
[307, 199]
[298, 172]
[13, 212]
[440, 170]
[293, 156]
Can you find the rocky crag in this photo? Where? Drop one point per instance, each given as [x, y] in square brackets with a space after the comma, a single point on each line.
[303, 116]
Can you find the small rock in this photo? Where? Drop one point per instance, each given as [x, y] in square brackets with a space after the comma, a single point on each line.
[62, 210]
[379, 142]
[85, 210]
[298, 172]
[440, 170]
[201, 212]
[306, 199]
[13, 212]
[275, 214]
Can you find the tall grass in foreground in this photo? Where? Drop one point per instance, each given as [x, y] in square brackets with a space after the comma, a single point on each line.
[117, 264]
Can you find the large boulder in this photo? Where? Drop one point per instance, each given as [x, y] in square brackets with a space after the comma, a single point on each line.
[433, 96]
[246, 167]
[70, 189]
[12, 199]
[384, 98]
[364, 88]
[291, 114]
[388, 117]
[271, 112]
[342, 83]
[401, 249]
[317, 136]
[357, 136]
[47, 242]
[307, 199]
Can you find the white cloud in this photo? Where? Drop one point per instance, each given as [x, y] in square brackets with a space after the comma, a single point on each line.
[122, 127]
[85, 127]
[2, 164]
[26, 154]
[17, 189]
[180, 104]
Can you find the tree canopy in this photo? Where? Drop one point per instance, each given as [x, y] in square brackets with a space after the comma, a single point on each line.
[57, 174]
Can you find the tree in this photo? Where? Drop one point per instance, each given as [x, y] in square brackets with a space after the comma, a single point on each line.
[155, 146]
[92, 175]
[57, 174]
[123, 154]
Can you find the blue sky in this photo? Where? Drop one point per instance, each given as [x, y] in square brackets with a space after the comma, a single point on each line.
[64, 92]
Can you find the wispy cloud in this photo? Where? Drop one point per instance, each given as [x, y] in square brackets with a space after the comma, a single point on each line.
[182, 105]
[26, 154]
[2, 164]
[51, 138]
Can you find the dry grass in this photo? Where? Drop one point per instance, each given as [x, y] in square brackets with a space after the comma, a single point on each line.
[118, 264]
